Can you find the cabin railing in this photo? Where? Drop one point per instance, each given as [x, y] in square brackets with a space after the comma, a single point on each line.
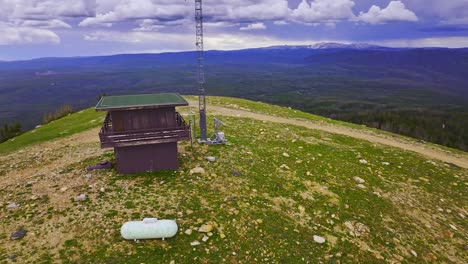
[109, 138]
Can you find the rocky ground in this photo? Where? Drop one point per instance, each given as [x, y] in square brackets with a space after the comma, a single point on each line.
[280, 193]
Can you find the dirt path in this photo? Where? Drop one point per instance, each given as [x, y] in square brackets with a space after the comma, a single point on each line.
[428, 151]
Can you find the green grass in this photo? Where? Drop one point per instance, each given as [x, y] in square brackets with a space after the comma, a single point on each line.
[317, 195]
[63, 127]
[280, 111]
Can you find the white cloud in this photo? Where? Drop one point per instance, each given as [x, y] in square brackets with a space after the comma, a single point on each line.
[280, 23]
[323, 11]
[136, 10]
[54, 23]
[27, 21]
[148, 25]
[395, 11]
[254, 26]
[12, 34]
[46, 9]
[111, 12]
[246, 10]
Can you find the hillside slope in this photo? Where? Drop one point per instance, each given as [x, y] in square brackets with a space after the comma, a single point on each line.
[267, 195]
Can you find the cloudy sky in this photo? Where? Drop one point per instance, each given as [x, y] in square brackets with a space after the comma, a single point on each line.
[44, 28]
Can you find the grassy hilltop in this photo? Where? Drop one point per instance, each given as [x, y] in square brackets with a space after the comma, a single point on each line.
[271, 196]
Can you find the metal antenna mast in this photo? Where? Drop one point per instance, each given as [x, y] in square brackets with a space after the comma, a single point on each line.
[201, 71]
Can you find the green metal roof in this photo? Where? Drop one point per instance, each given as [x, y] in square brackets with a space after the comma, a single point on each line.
[140, 101]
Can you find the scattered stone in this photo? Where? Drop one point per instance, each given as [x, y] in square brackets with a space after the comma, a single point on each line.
[205, 228]
[447, 234]
[13, 206]
[80, 197]
[195, 243]
[205, 238]
[105, 165]
[259, 221]
[361, 186]
[222, 236]
[285, 155]
[298, 161]
[301, 208]
[430, 257]
[308, 173]
[424, 179]
[319, 239]
[189, 212]
[211, 159]
[414, 253]
[63, 189]
[357, 229]
[360, 180]
[188, 231]
[210, 234]
[284, 167]
[18, 234]
[453, 227]
[197, 170]
[102, 189]
[363, 161]
[236, 173]
[88, 176]
[386, 163]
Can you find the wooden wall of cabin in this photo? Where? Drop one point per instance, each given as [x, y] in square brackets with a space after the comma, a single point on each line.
[142, 119]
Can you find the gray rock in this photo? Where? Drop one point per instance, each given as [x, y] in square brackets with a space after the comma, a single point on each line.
[18, 234]
[80, 197]
[359, 180]
[13, 206]
[211, 159]
[195, 243]
[319, 239]
[357, 229]
[236, 173]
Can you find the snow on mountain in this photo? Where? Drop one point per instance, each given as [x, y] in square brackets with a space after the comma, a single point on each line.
[329, 45]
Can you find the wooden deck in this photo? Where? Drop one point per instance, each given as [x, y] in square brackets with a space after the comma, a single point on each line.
[111, 139]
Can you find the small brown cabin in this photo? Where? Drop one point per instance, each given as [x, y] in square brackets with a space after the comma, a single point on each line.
[143, 130]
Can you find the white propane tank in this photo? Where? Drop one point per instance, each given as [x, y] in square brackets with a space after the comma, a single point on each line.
[149, 228]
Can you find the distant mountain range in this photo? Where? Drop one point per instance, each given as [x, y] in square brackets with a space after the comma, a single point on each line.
[330, 79]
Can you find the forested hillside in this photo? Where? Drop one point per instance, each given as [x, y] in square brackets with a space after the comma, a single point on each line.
[421, 93]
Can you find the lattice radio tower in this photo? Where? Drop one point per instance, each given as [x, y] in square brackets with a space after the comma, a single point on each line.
[201, 70]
